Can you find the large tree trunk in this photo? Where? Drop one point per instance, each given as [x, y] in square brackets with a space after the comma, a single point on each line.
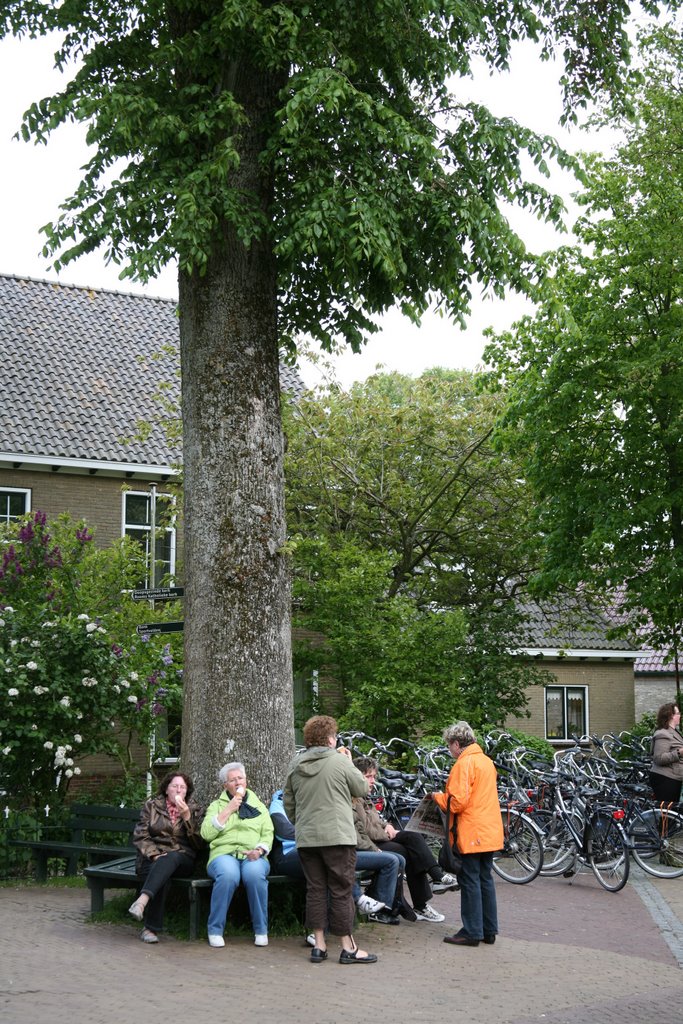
[238, 673]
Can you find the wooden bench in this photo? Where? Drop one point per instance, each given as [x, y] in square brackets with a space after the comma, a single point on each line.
[120, 874]
[83, 819]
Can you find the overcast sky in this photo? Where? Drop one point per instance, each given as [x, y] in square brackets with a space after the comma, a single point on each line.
[36, 178]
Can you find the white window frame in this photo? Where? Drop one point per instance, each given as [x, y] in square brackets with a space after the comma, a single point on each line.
[4, 512]
[147, 528]
[565, 688]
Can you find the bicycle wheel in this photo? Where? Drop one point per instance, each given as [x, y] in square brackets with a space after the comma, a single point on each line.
[608, 853]
[559, 849]
[656, 838]
[521, 858]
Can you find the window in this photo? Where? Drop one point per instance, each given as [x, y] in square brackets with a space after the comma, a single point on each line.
[566, 712]
[138, 507]
[14, 502]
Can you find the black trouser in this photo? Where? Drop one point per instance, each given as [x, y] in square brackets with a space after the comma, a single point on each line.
[420, 862]
[155, 877]
[666, 790]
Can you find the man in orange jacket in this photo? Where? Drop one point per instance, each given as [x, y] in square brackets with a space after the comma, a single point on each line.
[471, 790]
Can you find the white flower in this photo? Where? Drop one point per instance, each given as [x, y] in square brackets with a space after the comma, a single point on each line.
[13, 643]
[89, 681]
[34, 728]
[78, 738]
[91, 627]
[35, 643]
[132, 699]
[65, 702]
[79, 715]
[8, 609]
[77, 771]
[40, 689]
[2, 622]
[68, 773]
[134, 676]
[48, 625]
[12, 692]
[101, 629]
[68, 746]
[6, 750]
[69, 761]
[48, 744]
[31, 665]
[117, 689]
[125, 684]
[83, 617]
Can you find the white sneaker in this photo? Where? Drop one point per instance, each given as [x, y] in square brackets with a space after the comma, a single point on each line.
[310, 939]
[366, 905]
[260, 940]
[216, 941]
[428, 913]
[136, 910]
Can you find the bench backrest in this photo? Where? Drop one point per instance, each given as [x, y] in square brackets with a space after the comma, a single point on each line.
[101, 818]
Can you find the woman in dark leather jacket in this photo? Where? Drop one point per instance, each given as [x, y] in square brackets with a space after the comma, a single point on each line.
[168, 839]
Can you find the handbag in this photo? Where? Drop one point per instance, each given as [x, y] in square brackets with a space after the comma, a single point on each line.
[449, 856]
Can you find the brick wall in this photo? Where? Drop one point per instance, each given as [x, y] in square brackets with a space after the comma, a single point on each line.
[98, 499]
[611, 696]
[653, 691]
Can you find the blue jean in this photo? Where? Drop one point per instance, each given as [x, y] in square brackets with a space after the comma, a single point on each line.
[386, 867]
[478, 907]
[227, 873]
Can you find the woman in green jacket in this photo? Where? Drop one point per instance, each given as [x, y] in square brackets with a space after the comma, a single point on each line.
[239, 832]
[320, 785]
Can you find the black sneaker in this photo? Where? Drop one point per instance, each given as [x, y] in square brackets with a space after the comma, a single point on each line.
[383, 917]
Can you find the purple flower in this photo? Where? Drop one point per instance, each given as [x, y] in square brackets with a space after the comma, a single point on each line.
[157, 709]
[26, 533]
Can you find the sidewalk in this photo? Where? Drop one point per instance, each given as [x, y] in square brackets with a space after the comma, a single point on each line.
[568, 953]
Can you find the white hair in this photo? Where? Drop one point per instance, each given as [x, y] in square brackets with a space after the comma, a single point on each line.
[231, 766]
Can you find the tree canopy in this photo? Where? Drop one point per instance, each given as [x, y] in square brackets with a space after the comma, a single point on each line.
[595, 379]
[383, 185]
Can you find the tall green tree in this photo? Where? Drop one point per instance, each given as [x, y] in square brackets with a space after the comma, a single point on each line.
[308, 166]
[595, 379]
[411, 542]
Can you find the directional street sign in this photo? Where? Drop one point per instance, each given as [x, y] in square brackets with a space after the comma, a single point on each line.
[151, 628]
[158, 594]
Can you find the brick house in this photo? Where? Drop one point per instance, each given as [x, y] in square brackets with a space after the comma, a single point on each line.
[80, 369]
[592, 684]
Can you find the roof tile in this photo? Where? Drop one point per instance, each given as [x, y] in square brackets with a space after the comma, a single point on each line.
[80, 368]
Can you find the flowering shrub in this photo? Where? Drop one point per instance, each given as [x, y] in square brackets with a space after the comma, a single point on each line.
[68, 688]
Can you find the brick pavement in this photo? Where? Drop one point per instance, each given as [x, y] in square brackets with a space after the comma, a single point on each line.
[569, 953]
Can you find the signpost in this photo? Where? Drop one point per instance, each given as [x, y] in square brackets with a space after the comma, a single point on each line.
[152, 628]
[158, 594]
